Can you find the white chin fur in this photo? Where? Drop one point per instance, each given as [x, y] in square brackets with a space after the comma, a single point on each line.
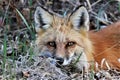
[66, 62]
[119, 60]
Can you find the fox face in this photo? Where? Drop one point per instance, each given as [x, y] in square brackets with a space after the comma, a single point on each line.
[63, 38]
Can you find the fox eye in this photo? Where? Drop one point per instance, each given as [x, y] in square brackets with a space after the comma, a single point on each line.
[51, 44]
[70, 44]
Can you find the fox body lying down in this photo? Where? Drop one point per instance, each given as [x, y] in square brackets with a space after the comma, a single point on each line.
[106, 43]
[65, 38]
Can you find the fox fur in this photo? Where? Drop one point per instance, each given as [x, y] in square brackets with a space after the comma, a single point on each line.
[63, 38]
[106, 43]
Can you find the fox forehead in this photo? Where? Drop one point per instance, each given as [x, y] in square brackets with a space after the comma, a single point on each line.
[60, 31]
[61, 25]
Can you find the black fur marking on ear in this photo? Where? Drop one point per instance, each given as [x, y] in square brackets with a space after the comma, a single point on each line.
[81, 23]
[41, 21]
[41, 18]
[82, 15]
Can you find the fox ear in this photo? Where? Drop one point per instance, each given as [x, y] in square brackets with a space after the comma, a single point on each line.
[43, 19]
[80, 18]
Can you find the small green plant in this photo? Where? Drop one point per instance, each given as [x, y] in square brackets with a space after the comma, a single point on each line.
[27, 25]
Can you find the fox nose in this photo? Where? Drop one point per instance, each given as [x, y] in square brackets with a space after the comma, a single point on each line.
[60, 60]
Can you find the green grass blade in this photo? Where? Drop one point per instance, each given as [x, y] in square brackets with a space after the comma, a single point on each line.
[4, 50]
[77, 59]
[24, 20]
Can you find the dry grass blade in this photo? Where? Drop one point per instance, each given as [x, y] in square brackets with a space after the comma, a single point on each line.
[95, 3]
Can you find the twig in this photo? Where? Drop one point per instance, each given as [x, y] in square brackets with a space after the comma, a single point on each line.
[113, 16]
[89, 5]
[103, 21]
[95, 3]
[75, 5]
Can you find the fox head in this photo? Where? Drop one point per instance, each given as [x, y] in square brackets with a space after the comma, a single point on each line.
[62, 38]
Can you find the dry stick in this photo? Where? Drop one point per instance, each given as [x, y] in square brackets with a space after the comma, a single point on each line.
[95, 3]
[103, 21]
[75, 5]
[89, 5]
[71, 3]
[103, 61]
[111, 14]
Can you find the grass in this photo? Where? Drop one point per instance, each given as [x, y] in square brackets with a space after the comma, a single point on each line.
[100, 14]
[29, 28]
[9, 62]
[26, 23]
[4, 51]
[30, 4]
[23, 45]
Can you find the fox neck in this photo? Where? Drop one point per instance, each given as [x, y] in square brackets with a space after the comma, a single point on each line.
[89, 50]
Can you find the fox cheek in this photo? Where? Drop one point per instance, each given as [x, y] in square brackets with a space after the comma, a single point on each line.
[51, 49]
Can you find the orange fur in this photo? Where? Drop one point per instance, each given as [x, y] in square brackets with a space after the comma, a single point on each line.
[106, 44]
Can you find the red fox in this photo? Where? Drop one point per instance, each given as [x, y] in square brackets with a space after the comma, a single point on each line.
[63, 38]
